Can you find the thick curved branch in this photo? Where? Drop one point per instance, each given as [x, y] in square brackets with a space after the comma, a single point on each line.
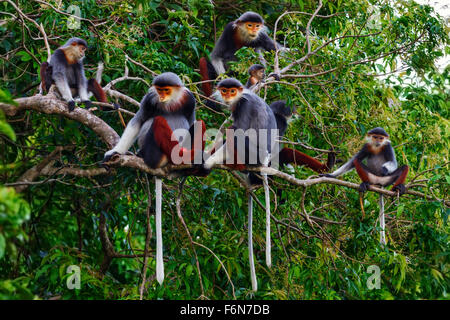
[49, 104]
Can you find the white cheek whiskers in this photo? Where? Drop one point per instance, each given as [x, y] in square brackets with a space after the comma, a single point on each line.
[173, 103]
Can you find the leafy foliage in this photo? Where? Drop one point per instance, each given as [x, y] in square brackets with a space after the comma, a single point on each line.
[338, 98]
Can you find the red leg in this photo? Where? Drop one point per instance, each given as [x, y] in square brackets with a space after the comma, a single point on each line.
[288, 155]
[163, 134]
[360, 170]
[236, 165]
[402, 177]
[44, 77]
[206, 86]
[197, 137]
[97, 90]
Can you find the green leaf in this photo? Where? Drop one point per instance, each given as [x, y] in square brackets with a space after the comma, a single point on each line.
[2, 245]
[6, 129]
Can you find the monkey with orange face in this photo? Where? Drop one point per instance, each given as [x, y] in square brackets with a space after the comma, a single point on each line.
[381, 168]
[66, 71]
[247, 31]
[168, 106]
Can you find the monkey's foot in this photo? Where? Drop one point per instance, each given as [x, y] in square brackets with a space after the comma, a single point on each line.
[71, 105]
[87, 103]
[401, 189]
[327, 175]
[275, 75]
[363, 187]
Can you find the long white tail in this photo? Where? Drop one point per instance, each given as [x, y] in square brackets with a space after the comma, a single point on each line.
[268, 240]
[159, 244]
[250, 244]
[382, 223]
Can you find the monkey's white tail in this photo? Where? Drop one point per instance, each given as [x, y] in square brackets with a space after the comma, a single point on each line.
[250, 243]
[159, 244]
[268, 240]
[382, 223]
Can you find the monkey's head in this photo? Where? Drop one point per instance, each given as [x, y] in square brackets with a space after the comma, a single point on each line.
[76, 48]
[230, 90]
[377, 138]
[250, 25]
[168, 86]
[257, 71]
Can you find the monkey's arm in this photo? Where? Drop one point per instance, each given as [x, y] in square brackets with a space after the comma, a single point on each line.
[128, 137]
[60, 66]
[82, 82]
[391, 163]
[224, 49]
[361, 155]
[189, 108]
[132, 130]
[265, 42]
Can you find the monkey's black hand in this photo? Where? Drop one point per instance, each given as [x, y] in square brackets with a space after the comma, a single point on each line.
[400, 188]
[275, 75]
[384, 171]
[116, 105]
[87, 103]
[363, 187]
[71, 105]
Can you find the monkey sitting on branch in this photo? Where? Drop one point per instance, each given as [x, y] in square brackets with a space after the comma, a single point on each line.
[66, 71]
[247, 31]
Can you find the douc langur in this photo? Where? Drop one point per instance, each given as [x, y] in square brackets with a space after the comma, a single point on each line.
[247, 31]
[66, 71]
[168, 107]
[256, 73]
[381, 168]
[249, 111]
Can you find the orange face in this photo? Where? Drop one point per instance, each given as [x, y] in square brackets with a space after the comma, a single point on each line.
[377, 140]
[253, 28]
[164, 93]
[228, 94]
[81, 48]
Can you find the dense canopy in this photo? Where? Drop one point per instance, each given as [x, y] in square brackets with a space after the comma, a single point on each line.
[351, 66]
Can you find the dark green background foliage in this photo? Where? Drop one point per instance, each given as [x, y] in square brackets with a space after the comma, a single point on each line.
[57, 223]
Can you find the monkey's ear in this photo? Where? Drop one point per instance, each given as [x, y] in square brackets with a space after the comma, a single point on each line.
[74, 43]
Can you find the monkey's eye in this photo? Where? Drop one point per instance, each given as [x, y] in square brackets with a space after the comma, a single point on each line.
[233, 91]
[249, 25]
[258, 26]
[224, 91]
